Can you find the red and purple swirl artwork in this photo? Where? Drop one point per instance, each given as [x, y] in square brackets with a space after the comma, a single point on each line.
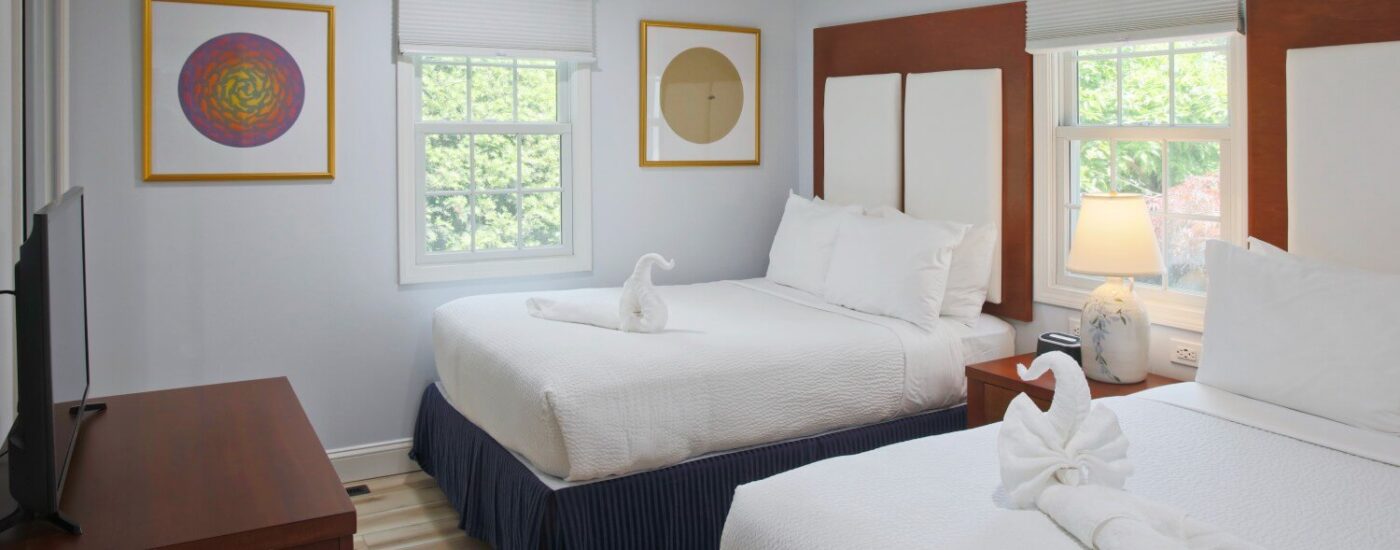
[241, 90]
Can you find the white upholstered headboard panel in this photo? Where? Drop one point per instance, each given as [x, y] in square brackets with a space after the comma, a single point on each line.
[863, 126]
[952, 151]
[1344, 154]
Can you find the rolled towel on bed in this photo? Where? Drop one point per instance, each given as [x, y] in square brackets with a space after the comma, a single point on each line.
[639, 309]
[1071, 462]
[642, 309]
[1112, 519]
[1074, 443]
[599, 313]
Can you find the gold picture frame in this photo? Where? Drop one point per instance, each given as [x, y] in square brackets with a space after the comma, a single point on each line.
[649, 83]
[152, 173]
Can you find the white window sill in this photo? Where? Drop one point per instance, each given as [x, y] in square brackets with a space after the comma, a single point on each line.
[493, 269]
[1163, 312]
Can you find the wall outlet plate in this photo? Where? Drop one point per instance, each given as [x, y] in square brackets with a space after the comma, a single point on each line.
[1185, 352]
[1072, 325]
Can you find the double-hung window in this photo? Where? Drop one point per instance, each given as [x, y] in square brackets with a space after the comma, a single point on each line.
[1163, 119]
[493, 138]
[491, 182]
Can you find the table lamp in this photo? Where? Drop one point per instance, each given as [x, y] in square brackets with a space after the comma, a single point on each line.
[1114, 239]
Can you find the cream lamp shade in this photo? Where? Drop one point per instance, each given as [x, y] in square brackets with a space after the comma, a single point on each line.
[1114, 238]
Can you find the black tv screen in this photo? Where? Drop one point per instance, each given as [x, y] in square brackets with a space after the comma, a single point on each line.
[51, 315]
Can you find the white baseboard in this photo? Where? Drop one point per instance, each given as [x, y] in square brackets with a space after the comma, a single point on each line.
[373, 460]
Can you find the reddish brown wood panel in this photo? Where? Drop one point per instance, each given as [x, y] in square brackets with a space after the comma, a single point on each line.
[977, 38]
[234, 465]
[1275, 26]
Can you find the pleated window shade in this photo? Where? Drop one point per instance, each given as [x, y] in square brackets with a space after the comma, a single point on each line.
[552, 29]
[1055, 25]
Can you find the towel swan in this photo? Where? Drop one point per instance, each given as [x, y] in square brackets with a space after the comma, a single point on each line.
[1071, 462]
[641, 308]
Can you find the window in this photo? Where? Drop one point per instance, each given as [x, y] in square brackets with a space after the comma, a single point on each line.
[491, 180]
[1164, 120]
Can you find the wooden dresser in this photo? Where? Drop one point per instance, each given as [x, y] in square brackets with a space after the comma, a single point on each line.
[232, 465]
[992, 385]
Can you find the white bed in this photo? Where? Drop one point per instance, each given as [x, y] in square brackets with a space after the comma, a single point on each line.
[741, 363]
[1193, 447]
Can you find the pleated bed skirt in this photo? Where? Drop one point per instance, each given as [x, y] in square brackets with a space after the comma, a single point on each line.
[502, 502]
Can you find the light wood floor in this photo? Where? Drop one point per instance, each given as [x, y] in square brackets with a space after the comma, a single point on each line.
[407, 511]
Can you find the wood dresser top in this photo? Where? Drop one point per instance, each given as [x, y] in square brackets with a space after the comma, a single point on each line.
[224, 465]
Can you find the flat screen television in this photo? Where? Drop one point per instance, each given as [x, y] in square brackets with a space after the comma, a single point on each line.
[51, 321]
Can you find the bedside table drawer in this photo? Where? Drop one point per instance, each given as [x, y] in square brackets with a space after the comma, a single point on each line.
[997, 399]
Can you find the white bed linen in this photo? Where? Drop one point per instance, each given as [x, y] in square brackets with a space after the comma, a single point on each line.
[1192, 449]
[741, 363]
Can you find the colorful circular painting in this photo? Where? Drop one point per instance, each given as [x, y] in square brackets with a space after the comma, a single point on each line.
[241, 90]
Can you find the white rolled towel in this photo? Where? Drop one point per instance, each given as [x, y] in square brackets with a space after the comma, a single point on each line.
[1071, 462]
[638, 309]
[1112, 519]
[598, 311]
[641, 308]
[1074, 443]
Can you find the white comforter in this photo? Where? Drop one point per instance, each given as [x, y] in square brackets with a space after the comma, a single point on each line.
[741, 363]
[1275, 477]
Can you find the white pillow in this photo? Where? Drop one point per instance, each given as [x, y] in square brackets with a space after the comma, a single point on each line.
[1303, 334]
[970, 275]
[895, 266]
[801, 249]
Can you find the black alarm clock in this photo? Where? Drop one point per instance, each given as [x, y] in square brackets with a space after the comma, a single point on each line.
[1058, 341]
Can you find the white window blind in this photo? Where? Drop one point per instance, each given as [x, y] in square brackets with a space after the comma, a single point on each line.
[553, 29]
[1056, 25]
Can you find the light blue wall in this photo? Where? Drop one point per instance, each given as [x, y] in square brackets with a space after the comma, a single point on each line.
[201, 283]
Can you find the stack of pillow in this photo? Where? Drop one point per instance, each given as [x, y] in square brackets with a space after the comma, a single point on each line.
[883, 261]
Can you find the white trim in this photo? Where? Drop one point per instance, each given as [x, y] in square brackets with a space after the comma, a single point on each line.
[1054, 286]
[576, 254]
[373, 460]
[61, 181]
[557, 55]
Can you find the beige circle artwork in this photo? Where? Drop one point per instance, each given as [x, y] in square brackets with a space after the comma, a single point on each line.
[701, 95]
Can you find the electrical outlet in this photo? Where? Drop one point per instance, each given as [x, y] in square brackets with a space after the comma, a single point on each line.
[1186, 353]
[1072, 325]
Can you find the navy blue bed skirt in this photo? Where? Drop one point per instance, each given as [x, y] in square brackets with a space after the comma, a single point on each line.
[681, 507]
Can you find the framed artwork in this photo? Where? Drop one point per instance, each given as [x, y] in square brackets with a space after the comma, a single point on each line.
[238, 90]
[700, 95]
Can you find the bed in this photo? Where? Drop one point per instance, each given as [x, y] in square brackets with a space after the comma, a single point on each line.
[742, 363]
[1290, 438]
[1337, 488]
[549, 434]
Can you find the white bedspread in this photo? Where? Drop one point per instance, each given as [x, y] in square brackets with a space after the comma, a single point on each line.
[1193, 448]
[741, 363]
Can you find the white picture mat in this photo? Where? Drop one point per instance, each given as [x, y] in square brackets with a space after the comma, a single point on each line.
[861, 129]
[177, 29]
[663, 45]
[1344, 154]
[952, 152]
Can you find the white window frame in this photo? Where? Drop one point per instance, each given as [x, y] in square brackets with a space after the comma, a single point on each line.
[1053, 104]
[575, 254]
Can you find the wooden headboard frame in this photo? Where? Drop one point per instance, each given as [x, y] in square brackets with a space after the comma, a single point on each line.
[975, 38]
[1275, 26]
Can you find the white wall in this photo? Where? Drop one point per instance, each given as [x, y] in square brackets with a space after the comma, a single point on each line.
[822, 13]
[10, 175]
[201, 283]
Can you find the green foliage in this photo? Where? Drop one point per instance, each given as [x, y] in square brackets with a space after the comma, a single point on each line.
[1200, 97]
[491, 191]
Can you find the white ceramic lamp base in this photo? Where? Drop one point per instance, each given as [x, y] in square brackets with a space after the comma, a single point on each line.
[1114, 334]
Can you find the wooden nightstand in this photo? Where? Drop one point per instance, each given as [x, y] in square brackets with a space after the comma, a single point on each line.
[992, 385]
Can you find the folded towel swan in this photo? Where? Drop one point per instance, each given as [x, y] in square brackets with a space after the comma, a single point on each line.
[1071, 462]
[640, 308]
